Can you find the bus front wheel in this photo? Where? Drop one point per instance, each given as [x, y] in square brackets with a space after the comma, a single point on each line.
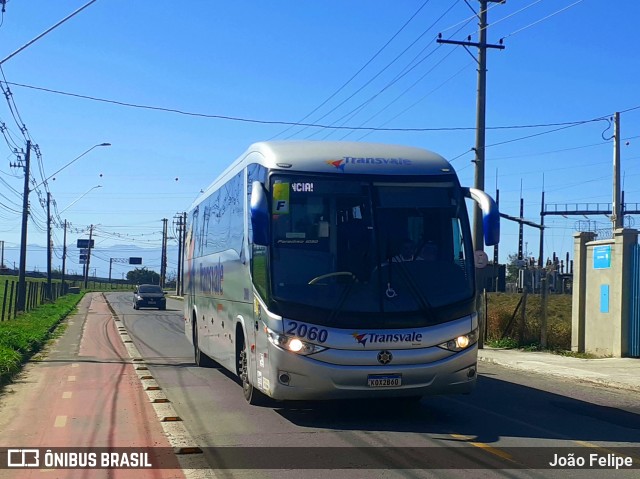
[251, 393]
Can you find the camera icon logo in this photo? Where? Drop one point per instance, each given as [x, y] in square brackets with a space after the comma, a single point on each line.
[23, 458]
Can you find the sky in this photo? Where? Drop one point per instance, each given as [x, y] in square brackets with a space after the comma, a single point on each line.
[181, 89]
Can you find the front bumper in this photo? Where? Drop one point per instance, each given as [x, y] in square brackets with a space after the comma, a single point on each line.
[309, 379]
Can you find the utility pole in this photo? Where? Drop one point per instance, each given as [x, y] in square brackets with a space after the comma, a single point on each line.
[64, 256]
[163, 260]
[482, 45]
[616, 205]
[496, 262]
[22, 284]
[541, 247]
[521, 230]
[86, 271]
[49, 245]
[180, 226]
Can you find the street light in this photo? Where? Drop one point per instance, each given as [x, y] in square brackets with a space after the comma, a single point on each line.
[22, 285]
[68, 164]
[79, 198]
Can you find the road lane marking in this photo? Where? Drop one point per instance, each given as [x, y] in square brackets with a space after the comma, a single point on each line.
[71, 378]
[591, 445]
[558, 435]
[67, 395]
[61, 421]
[490, 449]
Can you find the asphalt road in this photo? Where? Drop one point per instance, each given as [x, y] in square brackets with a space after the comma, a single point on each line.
[509, 419]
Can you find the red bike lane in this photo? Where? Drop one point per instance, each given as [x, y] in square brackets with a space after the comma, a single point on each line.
[84, 395]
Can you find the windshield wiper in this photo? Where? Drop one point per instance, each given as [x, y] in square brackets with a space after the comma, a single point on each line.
[415, 290]
[342, 299]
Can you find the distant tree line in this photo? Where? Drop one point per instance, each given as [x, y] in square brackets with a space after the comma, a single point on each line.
[143, 276]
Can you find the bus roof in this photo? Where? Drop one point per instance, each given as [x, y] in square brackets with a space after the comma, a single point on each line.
[349, 157]
[340, 157]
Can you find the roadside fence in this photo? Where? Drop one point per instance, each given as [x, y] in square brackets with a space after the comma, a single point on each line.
[37, 294]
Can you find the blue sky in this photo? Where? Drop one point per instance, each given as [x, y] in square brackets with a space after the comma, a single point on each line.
[564, 61]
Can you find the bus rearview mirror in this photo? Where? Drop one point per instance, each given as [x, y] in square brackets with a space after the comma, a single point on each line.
[490, 214]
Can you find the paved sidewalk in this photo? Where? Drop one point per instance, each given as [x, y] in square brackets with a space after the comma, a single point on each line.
[83, 392]
[622, 373]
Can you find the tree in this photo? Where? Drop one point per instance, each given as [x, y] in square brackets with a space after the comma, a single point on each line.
[512, 268]
[143, 276]
[170, 279]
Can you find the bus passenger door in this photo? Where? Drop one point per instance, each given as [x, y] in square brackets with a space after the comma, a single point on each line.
[263, 377]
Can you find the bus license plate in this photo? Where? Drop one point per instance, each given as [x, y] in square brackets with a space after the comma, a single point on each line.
[384, 380]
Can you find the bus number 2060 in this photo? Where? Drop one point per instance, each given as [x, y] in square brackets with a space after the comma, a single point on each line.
[312, 333]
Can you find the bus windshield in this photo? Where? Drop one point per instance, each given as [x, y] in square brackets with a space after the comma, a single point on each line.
[347, 248]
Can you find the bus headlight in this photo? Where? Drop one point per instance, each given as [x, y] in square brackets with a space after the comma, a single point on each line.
[293, 344]
[461, 342]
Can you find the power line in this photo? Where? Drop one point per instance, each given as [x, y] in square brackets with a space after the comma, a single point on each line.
[414, 103]
[513, 14]
[47, 31]
[564, 127]
[397, 98]
[542, 19]
[359, 108]
[401, 75]
[355, 74]
[278, 122]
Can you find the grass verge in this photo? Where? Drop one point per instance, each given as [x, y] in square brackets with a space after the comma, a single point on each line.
[24, 336]
[506, 330]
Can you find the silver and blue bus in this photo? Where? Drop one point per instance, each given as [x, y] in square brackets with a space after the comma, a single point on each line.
[327, 270]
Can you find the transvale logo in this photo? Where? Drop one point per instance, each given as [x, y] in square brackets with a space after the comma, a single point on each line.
[339, 164]
[361, 338]
[412, 337]
[352, 160]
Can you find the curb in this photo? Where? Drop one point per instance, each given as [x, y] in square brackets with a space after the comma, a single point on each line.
[583, 377]
[189, 455]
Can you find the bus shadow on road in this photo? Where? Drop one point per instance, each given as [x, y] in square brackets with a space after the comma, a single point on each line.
[496, 409]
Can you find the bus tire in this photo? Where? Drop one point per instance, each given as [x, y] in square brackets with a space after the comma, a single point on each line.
[250, 392]
[201, 359]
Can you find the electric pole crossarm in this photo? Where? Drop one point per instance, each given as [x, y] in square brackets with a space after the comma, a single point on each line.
[521, 221]
[471, 44]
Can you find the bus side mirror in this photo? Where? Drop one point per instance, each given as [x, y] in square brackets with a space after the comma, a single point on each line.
[490, 215]
[259, 214]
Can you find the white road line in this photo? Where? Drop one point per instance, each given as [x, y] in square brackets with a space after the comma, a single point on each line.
[61, 421]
